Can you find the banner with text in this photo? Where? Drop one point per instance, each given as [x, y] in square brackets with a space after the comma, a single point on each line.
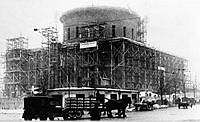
[88, 44]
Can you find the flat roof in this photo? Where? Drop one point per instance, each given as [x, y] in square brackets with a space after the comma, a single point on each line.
[89, 88]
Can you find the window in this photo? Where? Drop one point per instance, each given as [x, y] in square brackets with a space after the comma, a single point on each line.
[134, 97]
[124, 95]
[124, 31]
[77, 32]
[101, 29]
[68, 33]
[86, 32]
[57, 100]
[80, 95]
[116, 60]
[102, 98]
[132, 33]
[113, 96]
[113, 30]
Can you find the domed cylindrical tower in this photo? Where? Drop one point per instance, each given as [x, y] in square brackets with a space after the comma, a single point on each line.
[87, 22]
[96, 40]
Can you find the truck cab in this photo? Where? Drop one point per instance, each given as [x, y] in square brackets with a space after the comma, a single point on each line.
[41, 107]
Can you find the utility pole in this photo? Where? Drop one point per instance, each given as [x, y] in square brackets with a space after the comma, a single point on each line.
[161, 70]
[51, 34]
[173, 73]
[111, 65]
[194, 86]
[183, 81]
[162, 77]
[184, 86]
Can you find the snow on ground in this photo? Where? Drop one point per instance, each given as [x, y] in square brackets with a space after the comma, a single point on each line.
[5, 111]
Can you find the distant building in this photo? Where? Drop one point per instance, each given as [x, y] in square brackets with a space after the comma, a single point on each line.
[2, 74]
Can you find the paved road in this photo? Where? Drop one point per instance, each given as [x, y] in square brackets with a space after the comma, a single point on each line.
[159, 115]
[169, 114]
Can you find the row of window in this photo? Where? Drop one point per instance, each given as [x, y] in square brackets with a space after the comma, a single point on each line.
[112, 96]
[87, 32]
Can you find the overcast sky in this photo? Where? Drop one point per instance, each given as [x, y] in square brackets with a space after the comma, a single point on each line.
[173, 25]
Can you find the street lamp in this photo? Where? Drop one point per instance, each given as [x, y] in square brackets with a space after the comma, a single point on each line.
[183, 81]
[173, 75]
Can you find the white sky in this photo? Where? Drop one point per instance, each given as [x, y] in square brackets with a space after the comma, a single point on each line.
[173, 25]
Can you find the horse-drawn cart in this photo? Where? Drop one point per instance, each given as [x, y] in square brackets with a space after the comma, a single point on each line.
[76, 104]
[76, 107]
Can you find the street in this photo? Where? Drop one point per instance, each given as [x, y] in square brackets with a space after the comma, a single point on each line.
[158, 115]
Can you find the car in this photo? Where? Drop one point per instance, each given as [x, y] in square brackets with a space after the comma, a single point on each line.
[183, 104]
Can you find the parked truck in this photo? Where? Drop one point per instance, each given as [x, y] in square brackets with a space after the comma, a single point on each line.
[47, 107]
[42, 107]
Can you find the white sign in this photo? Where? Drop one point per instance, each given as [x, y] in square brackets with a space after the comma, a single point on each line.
[88, 44]
[161, 68]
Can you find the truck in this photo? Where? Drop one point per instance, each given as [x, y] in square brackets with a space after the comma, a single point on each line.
[186, 102]
[47, 107]
[41, 107]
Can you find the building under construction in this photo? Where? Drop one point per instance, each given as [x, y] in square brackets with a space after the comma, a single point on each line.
[106, 47]
[102, 47]
[27, 68]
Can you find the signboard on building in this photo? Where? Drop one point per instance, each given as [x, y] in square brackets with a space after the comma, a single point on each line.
[105, 82]
[88, 44]
[161, 68]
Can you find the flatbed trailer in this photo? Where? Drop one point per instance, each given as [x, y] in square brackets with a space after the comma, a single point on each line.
[76, 107]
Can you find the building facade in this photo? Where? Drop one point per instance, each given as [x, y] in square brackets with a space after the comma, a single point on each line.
[105, 47]
[102, 47]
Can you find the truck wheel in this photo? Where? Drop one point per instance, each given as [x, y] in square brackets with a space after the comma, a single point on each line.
[51, 118]
[79, 114]
[27, 115]
[27, 118]
[65, 116]
[43, 118]
[72, 115]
